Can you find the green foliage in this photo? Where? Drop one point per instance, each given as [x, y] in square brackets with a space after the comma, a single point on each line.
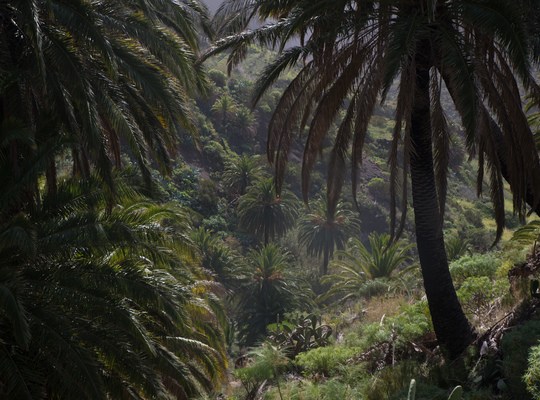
[532, 374]
[331, 389]
[98, 299]
[103, 79]
[265, 214]
[218, 77]
[363, 272]
[325, 361]
[302, 335]
[528, 234]
[322, 230]
[516, 345]
[477, 293]
[239, 174]
[267, 290]
[475, 266]
[266, 363]
[411, 322]
[205, 200]
[215, 154]
[379, 188]
[456, 394]
[456, 246]
[215, 223]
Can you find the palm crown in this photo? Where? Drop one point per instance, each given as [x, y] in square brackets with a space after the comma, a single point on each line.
[98, 304]
[97, 78]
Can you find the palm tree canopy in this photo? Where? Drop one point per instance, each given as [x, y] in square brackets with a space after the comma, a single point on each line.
[100, 303]
[240, 173]
[267, 291]
[477, 50]
[322, 231]
[99, 78]
[265, 214]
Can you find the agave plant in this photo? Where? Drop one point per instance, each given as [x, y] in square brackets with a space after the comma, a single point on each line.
[304, 334]
[362, 271]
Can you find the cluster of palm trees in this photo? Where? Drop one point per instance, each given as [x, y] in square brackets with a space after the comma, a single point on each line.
[353, 52]
[101, 292]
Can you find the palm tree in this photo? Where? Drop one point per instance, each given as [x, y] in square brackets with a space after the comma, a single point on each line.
[99, 304]
[322, 231]
[265, 214]
[215, 257]
[240, 173]
[362, 271]
[98, 79]
[355, 50]
[268, 290]
[224, 109]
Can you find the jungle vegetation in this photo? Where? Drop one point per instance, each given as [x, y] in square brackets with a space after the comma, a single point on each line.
[154, 158]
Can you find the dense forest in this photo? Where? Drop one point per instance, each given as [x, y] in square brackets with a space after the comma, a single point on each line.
[247, 200]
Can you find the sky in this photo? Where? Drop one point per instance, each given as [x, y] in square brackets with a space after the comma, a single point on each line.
[212, 4]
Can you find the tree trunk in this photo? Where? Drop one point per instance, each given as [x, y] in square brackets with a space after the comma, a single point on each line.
[326, 258]
[454, 333]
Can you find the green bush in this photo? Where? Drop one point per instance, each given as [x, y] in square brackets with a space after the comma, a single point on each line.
[412, 322]
[532, 375]
[475, 265]
[378, 188]
[304, 390]
[475, 295]
[515, 348]
[325, 361]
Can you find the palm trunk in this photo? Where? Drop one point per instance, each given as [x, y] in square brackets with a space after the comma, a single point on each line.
[454, 333]
[326, 259]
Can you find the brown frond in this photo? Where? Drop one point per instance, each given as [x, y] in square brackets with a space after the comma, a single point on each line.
[285, 121]
[367, 98]
[403, 114]
[441, 142]
[503, 98]
[336, 165]
[324, 115]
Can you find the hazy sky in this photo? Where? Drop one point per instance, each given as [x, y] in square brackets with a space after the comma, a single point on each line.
[212, 4]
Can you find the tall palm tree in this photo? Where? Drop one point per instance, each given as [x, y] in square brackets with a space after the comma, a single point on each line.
[100, 303]
[321, 231]
[267, 291]
[265, 214]
[98, 79]
[354, 50]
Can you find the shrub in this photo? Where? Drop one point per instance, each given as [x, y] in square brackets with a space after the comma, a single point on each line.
[475, 265]
[325, 361]
[515, 348]
[532, 375]
[378, 188]
[331, 389]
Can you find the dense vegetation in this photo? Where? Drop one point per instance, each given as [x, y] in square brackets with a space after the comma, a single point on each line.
[148, 250]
